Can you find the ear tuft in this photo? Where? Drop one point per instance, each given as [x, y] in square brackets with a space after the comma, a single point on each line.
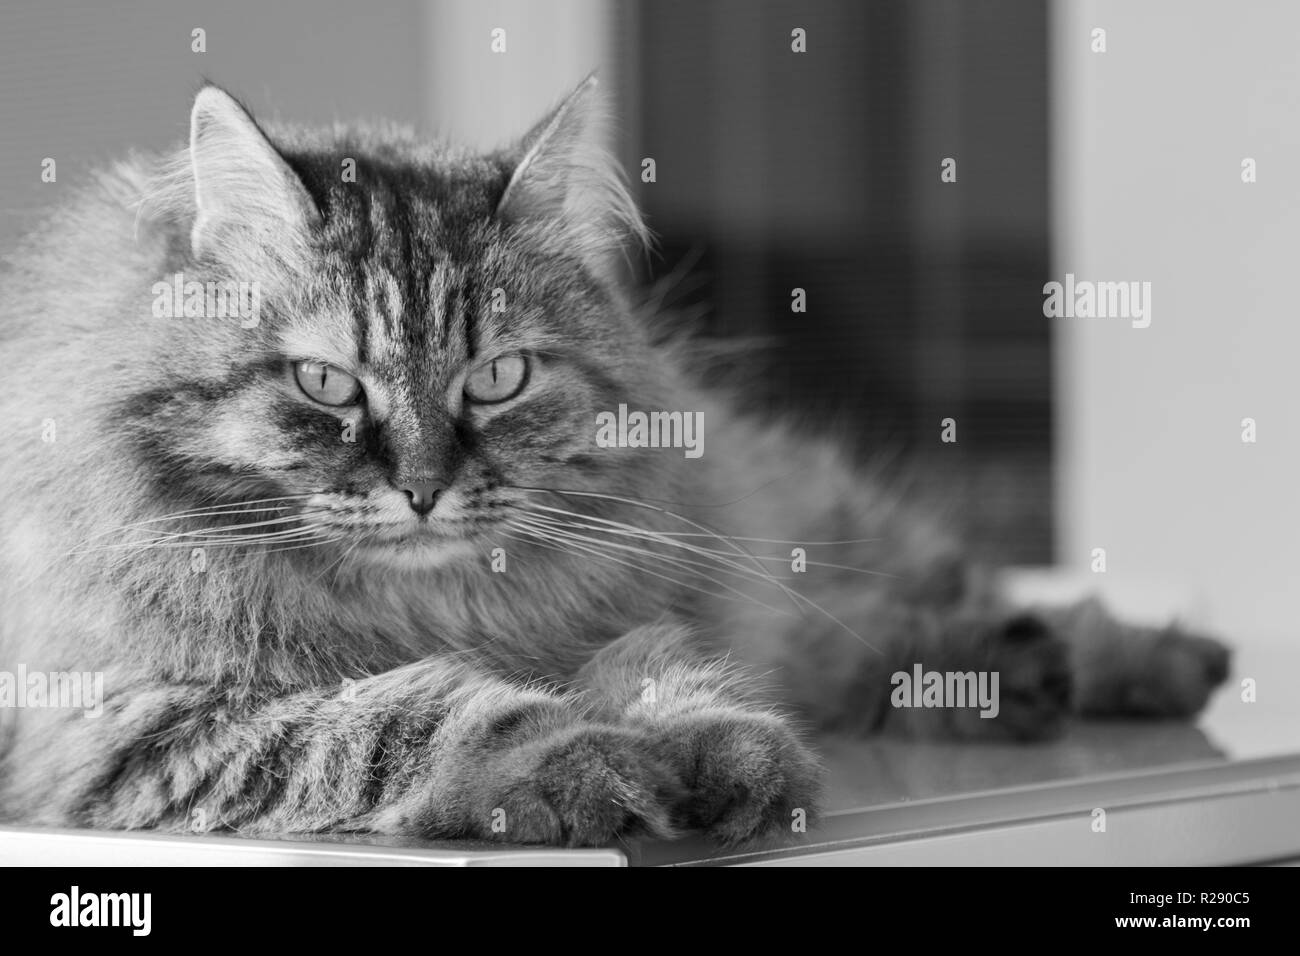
[241, 184]
[564, 175]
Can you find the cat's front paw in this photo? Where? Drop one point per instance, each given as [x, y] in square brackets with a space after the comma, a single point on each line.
[584, 785]
[744, 774]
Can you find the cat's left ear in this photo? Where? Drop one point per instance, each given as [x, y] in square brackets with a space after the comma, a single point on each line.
[243, 188]
[563, 175]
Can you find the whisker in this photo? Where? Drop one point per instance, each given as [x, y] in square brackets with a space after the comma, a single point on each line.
[337, 564]
[789, 594]
[216, 510]
[649, 534]
[171, 542]
[699, 526]
[674, 560]
[535, 538]
[795, 597]
[645, 534]
[826, 564]
[678, 504]
[223, 529]
[655, 536]
[309, 544]
[741, 537]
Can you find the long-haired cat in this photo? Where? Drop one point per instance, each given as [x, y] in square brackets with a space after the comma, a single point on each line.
[338, 532]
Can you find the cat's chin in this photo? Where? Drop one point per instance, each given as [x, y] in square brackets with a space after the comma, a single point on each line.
[417, 551]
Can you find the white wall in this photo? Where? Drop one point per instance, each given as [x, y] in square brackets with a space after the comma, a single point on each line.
[1148, 142]
[485, 99]
[83, 81]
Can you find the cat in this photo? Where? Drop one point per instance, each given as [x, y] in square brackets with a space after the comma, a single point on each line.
[348, 556]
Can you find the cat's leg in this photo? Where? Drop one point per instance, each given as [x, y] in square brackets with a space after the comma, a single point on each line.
[433, 749]
[744, 770]
[1049, 664]
[879, 587]
[883, 588]
[1124, 670]
[1078, 658]
[861, 681]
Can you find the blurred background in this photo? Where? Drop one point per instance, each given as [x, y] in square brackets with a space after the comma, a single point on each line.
[822, 171]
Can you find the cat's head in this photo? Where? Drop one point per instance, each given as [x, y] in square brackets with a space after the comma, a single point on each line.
[412, 337]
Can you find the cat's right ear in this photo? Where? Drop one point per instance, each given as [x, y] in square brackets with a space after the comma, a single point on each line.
[243, 188]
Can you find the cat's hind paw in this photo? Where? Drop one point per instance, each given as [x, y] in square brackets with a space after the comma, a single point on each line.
[1036, 686]
[1166, 673]
[1025, 667]
[1126, 670]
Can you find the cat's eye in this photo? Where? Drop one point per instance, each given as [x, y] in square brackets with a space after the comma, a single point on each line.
[326, 384]
[497, 380]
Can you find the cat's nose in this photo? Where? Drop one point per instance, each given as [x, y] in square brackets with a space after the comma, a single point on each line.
[423, 495]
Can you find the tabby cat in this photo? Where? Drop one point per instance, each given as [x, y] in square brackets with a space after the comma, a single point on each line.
[351, 558]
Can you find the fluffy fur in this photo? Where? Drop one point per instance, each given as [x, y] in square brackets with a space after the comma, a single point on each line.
[330, 660]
